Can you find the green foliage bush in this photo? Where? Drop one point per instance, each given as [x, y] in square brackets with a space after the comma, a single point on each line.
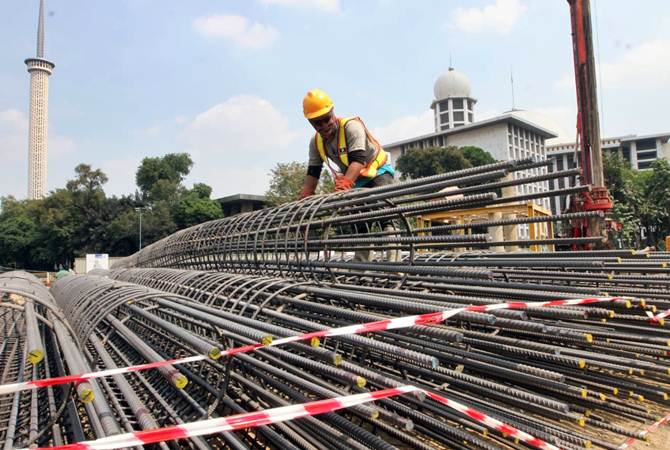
[80, 218]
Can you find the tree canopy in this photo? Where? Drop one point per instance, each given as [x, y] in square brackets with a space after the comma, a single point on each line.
[641, 200]
[424, 162]
[80, 218]
[286, 181]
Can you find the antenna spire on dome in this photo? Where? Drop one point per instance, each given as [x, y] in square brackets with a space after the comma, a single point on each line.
[40, 32]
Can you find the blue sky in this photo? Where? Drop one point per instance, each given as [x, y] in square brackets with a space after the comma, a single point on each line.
[224, 79]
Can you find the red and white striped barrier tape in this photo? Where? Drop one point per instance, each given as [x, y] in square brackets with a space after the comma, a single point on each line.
[34, 384]
[653, 427]
[435, 318]
[380, 325]
[284, 413]
[235, 422]
[492, 422]
[657, 318]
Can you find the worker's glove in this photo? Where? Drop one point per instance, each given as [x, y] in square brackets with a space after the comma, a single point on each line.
[343, 183]
[306, 192]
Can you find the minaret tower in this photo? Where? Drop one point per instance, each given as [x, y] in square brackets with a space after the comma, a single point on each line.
[38, 142]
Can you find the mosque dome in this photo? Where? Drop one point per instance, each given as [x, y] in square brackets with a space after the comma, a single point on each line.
[452, 84]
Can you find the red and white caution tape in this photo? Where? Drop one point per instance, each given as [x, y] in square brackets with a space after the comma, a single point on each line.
[34, 384]
[435, 318]
[653, 427]
[236, 422]
[284, 413]
[380, 325]
[657, 318]
[492, 422]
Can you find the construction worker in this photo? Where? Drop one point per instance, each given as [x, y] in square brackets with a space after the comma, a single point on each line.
[352, 154]
[358, 158]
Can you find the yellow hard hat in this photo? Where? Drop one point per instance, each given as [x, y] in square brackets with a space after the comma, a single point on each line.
[316, 103]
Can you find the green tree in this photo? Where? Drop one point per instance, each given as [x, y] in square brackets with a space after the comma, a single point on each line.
[286, 181]
[88, 180]
[160, 178]
[636, 203]
[87, 203]
[196, 206]
[424, 162]
[477, 156]
[657, 193]
[17, 234]
[80, 218]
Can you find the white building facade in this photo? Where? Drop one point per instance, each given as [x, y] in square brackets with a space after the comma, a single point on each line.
[639, 151]
[506, 137]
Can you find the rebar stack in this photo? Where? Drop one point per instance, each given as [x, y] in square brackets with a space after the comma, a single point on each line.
[30, 349]
[573, 376]
[561, 374]
[299, 238]
[538, 369]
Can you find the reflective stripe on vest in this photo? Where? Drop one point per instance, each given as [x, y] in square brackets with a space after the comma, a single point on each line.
[369, 171]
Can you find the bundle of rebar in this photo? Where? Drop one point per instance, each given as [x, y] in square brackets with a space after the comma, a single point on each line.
[571, 376]
[33, 332]
[566, 375]
[299, 238]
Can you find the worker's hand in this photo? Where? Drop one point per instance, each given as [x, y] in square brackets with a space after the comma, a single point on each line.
[307, 191]
[343, 183]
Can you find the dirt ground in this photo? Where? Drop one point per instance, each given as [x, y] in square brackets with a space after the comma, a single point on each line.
[659, 440]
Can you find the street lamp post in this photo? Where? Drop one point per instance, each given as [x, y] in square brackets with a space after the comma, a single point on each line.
[139, 210]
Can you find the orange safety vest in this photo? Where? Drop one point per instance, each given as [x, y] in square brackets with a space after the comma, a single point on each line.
[369, 171]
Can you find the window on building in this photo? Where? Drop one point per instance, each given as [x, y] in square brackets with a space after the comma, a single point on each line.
[458, 103]
[471, 105]
[458, 116]
[646, 144]
[644, 164]
[646, 154]
[625, 152]
[444, 105]
[471, 117]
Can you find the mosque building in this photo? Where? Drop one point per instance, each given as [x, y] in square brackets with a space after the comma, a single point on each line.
[510, 135]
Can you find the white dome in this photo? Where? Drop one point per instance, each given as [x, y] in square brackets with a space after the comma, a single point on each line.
[451, 84]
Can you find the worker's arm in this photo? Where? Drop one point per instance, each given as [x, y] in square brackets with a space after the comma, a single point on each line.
[354, 170]
[357, 154]
[314, 168]
[310, 183]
